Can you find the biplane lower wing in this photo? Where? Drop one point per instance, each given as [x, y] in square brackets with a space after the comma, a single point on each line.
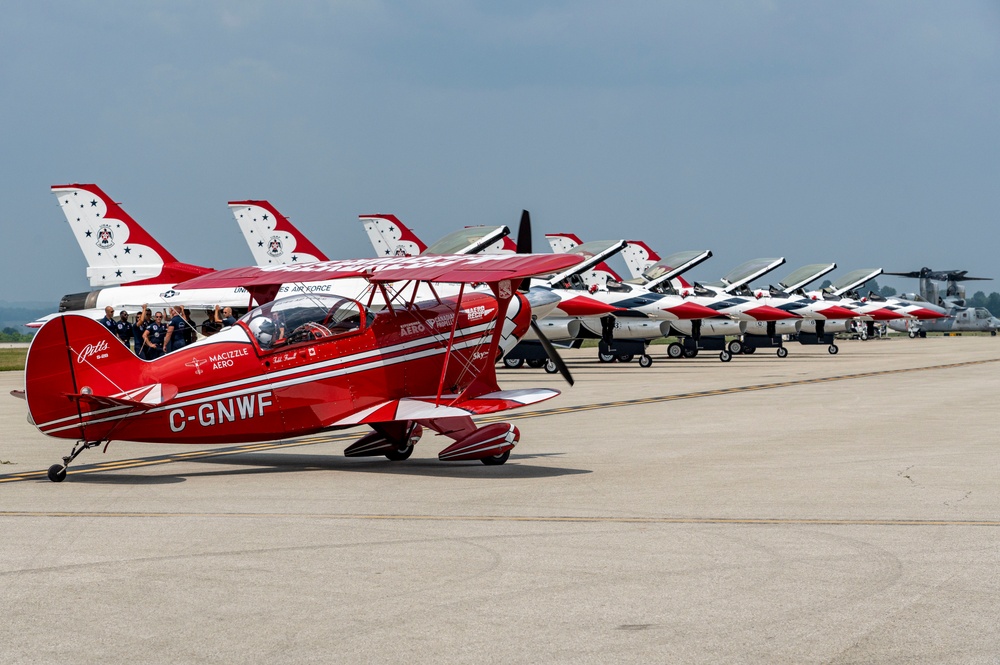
[424, 408]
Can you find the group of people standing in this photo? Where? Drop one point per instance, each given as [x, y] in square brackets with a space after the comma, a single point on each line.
[155, 334]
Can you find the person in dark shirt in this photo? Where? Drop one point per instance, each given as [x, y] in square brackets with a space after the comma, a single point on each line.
[153, 337]
[143, 319]
[176, 336]
[109, 320]
[123, 328]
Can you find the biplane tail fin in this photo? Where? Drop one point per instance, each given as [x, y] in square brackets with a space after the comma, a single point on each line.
[273, 240]
[390, 237]
[76, 370]
[117, 249]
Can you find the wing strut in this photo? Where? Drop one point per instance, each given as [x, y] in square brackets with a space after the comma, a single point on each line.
[451, 340]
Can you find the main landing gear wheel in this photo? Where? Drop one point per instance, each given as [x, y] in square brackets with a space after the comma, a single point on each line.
[782, 352]
[675, 350]
[399, 454]
[625, 358]
[832, 349]
[735, 347]
[551, 367]
[537, 363]
[645, 360]
[496, 460]
[57, 473]
[748, 349]
[725, 356]
[513, 363]
[912, 334]
[690, 353]
[606, 357]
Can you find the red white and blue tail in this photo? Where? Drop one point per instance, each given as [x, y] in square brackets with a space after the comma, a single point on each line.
[639, 256]
[273, 240]
[390, 237]
[117, 249]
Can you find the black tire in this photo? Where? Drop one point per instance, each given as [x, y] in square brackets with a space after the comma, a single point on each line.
[645, 360]
[513, 363]
[725, 356]
[606, 357]
[735, 347]
[57, 473]
[913, 334]
[690, 353]
[551, 367]
[496, 460]
[833, 349]
[749, 349]
[922, 334]
[993, 333]
[399, 454]
[537, 363]
[625, 358]
[675, 350]
[782, 352]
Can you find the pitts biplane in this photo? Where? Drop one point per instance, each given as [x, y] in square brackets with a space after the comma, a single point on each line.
[308, 363]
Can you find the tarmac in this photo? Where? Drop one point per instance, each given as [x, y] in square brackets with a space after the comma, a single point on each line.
[812, 509]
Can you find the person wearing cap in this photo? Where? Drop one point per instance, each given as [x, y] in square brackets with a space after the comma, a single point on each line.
[123, 328]
[109, 320]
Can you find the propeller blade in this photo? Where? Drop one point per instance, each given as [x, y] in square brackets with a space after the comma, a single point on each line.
[552, 353]
[524, 234]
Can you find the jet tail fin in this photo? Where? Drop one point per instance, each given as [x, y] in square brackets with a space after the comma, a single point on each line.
[273, 240]
[390, 237]
[117, 249]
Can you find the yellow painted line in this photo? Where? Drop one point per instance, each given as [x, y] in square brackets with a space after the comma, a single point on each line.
[568, 519]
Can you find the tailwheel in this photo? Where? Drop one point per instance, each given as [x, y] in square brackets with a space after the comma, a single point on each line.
[496, 460]
[57, 472]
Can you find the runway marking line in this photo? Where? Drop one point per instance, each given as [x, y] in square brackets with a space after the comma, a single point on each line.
[264, 446]
[569, 519]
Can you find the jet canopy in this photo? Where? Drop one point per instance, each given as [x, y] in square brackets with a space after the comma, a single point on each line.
[469, 240]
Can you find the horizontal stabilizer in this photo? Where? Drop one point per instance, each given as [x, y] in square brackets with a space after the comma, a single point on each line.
[142, 398]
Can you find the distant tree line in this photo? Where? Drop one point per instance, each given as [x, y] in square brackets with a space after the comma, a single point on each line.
[8, 334]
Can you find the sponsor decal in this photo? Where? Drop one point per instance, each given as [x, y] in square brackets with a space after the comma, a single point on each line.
[227, 358]
[210, 414]
[96, 350]
[105, 237]
[504, 290]
[478, 312]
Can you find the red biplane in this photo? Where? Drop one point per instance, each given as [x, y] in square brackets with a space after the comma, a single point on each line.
[307, 363]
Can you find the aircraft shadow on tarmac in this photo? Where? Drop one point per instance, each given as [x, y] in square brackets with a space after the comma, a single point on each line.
[265, 462]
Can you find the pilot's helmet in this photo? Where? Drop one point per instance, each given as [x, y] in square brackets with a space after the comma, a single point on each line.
[263, 329]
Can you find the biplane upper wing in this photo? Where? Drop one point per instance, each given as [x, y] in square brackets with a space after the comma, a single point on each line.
[441, 268]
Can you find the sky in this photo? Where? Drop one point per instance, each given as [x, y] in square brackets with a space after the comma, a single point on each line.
[864, 133]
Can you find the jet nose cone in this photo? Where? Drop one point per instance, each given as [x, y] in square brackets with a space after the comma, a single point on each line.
[883, 314]
[584, 306]
[768, 313]
[838, 312]
[691, 310]
[924, 313]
